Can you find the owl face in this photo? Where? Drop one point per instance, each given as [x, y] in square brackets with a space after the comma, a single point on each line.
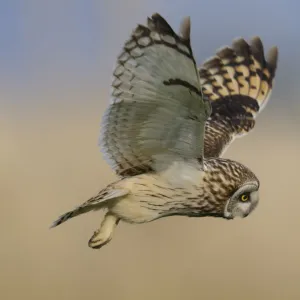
[243, 201]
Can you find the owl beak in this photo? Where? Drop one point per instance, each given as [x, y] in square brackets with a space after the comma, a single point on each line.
[247, 214]
[252, 208]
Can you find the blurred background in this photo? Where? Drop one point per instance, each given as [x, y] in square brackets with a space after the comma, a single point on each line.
[56, 60]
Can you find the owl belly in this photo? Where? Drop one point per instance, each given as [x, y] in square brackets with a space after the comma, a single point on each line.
[135, 209]
[152, 197]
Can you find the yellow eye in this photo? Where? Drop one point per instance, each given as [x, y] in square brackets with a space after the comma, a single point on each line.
[244, 197]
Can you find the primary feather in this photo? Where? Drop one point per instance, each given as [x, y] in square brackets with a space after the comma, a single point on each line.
[157, 108]
[238, 81]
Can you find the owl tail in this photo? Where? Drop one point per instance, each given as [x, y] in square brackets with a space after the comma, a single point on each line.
[70, 214]
[93, 203]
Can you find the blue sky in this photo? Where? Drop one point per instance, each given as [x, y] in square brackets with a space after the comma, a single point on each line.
[40, 39]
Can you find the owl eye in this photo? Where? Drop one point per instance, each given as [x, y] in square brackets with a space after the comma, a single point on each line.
[244, 197]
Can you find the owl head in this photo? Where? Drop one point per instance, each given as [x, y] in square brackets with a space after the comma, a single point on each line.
[243, 201]
[233, 187]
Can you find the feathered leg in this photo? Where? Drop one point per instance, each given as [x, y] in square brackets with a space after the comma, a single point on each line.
[104, 234]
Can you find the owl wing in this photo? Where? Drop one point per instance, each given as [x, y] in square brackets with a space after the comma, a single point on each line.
[157, 113]
[238, 81]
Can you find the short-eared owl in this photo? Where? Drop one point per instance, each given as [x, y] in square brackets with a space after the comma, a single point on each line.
[168, 124]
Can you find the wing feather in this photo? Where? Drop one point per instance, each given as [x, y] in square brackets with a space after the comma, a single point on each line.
[238, 81]
[157, 106]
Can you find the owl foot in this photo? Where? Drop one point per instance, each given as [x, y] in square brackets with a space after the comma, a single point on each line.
[104, 234]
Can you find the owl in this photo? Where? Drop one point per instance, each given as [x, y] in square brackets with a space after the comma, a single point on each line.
[168, 125]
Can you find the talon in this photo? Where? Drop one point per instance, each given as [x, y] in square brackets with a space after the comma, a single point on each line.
[104, 234]
[97, 244]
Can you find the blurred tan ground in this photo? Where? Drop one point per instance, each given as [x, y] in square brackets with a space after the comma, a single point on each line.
[50, 162]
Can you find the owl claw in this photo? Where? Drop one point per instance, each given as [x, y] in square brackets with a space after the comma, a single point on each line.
[103, 235]
[97, 242]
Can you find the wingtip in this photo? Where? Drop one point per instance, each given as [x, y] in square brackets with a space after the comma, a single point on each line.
[272, 56]
[156, 15]
[256, 40]
[257, 45]
[238, 40]
[185, 28]
[157, 22]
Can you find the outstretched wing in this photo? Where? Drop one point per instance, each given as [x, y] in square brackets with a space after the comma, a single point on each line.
[238, 81]
[157, 112]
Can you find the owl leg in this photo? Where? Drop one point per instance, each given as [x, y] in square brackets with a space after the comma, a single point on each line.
[104, 234]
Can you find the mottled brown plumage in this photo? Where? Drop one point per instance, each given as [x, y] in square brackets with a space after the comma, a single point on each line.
[168, 123]
[238, 81]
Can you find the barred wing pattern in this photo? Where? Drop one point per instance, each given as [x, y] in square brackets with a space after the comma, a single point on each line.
[157, 110]
[238, 81]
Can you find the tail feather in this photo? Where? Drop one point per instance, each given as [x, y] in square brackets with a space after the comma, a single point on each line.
[63, 218]
[70, 214]
[94, 203]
